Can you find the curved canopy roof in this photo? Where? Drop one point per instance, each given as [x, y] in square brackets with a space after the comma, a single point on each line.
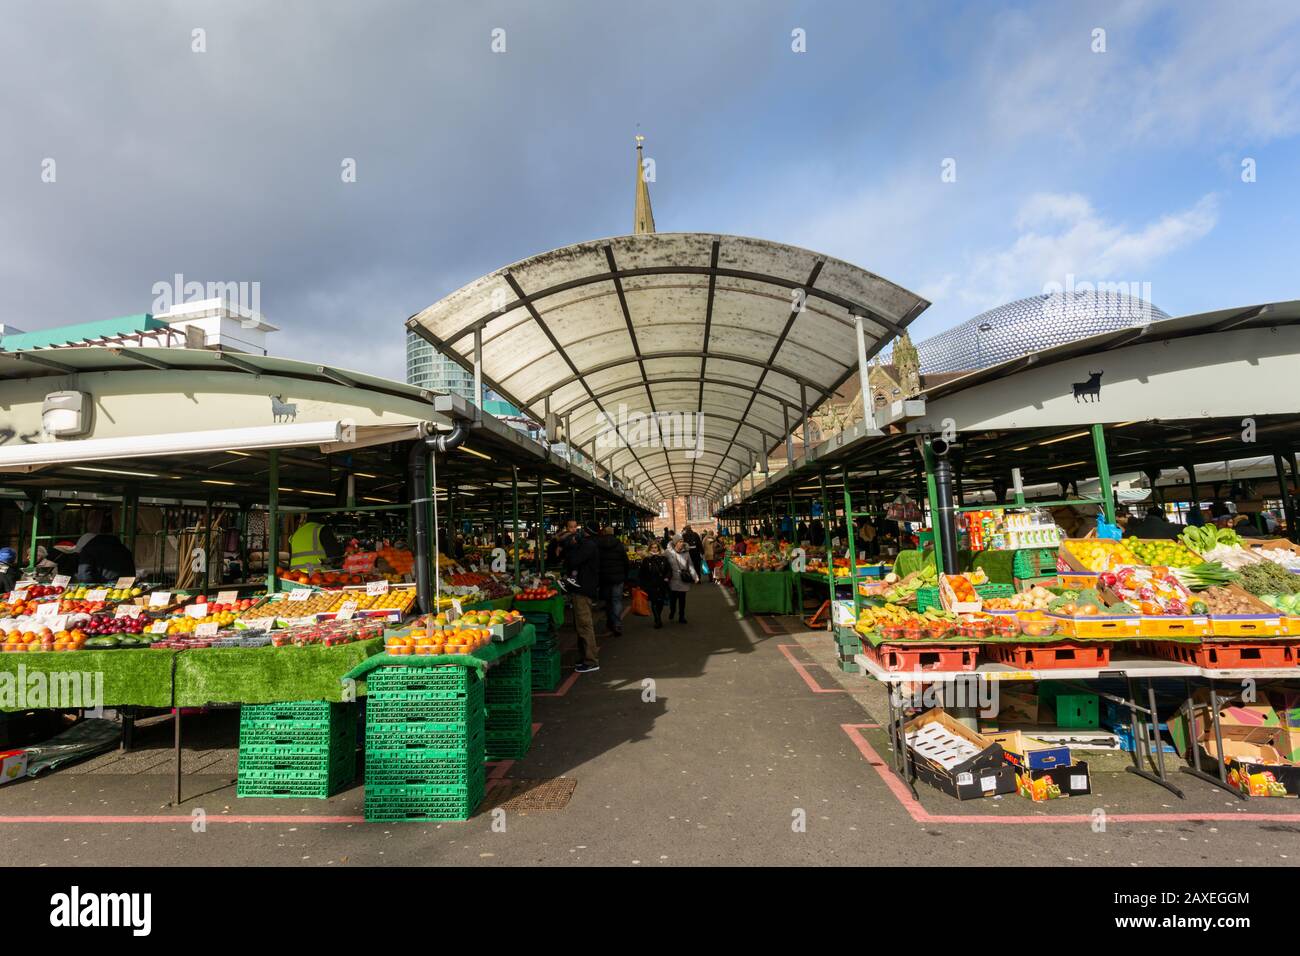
[748, 334]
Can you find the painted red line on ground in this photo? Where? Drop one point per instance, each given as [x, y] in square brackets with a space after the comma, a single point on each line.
[562, 689]
[803, 672]
[921, 815]
[762, 622]
[183, 819]
[500, 768]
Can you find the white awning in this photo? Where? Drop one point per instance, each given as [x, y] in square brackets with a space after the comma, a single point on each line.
[730, 340]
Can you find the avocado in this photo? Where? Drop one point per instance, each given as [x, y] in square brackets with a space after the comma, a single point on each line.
[101, 642]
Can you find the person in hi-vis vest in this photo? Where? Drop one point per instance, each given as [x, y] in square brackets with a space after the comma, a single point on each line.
[312, 546]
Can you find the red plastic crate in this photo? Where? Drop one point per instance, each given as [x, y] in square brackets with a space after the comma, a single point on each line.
[1039, 657]
[920, 657]
[1226, 655]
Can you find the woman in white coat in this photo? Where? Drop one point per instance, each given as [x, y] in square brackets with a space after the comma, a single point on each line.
[684, 575]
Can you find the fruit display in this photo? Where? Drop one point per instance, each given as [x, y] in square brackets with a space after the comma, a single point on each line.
[1036, 624]
[488, 618]
[431, 641]
[467, 579]
[1149, 590]
[184, 624]
[81, 592]
[1164, 554]
[37, 592]
[1099, 554]
[906, 588]
[396, 599]
[1288, 604]
[317, 603]
[961, 588]
[328, 634]
[16, 609]
[1035, 599]
[324, 579]
[537, 594]
[763, 561]
[81, 606]
[894, 622]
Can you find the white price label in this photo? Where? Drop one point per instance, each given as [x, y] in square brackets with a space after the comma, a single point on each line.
[99, 594]
[18, 595]
[1078, 781]
[160, 598]
[347, 611]
[61, 580]
[376, 587]
[227, 597]
[159, 627]
[299, 594]
[128, 610]
[207, 630]
[455, 606]
[124, 583]
[965, 779]
[196, 610]
[47, 610]
[25, 583]
[988, 784]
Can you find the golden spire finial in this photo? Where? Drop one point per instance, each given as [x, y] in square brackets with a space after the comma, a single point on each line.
[643, 219]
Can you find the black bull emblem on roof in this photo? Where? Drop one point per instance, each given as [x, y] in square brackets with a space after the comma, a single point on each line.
[1089, 391]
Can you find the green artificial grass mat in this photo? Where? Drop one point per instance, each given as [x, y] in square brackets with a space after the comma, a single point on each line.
[266, 675]
[140, 676]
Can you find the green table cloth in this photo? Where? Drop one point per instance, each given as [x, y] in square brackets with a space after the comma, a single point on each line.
[762, 592]
[142, 677]
[552, 606]
[479, 660]
[266, 675]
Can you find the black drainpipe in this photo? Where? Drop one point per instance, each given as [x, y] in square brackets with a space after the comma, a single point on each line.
[418, 472]
[946, 518]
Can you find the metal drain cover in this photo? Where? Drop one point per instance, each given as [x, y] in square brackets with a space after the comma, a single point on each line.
[520, 796]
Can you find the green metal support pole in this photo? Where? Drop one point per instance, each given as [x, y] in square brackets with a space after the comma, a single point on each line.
[1103, 473]
[272, 522]
[853, 545]
[541, 528]
[932, 492]
[514, 518]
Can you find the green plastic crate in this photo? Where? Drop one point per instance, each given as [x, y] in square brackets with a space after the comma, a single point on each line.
[292, 759]
[420, 705]
[510, 749]
[927, 598]
[546, 677]
[294, 783]
[1078, 711]
[292, 710]
[400, 677]
[398, 803]
[440, 736]
[424, 767]
[1034, 562]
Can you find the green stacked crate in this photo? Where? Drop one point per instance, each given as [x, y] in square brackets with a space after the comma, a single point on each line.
[927, 598]
[848, 645]
[546, 653]
[296, 749]
[510, 707]
[424, 743]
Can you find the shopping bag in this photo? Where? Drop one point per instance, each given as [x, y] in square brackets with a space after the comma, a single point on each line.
[640, 603]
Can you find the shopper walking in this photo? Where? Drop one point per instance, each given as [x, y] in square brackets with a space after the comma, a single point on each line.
[582, 568]
[653, 576]
[683, 576]
[613, 574]
[695, 545]
[708, 547]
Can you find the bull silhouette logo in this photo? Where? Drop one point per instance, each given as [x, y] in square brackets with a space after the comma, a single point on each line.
[1089, 391]
[282, 411]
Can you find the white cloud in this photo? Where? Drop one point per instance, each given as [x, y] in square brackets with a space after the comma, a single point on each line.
[1063, 235]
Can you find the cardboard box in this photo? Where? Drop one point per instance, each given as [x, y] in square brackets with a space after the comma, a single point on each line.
[1257, 769]
[13, 765]
[1071, 780]
[955, 759]
[1025, 752]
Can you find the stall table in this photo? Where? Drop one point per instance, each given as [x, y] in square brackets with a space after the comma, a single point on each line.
[762, 592]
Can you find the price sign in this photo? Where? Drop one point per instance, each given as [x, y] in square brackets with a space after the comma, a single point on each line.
[25, 583]
[159, 627]
[128, 610]
[347, 611]
[19, 595]
[227, 597]
[374, 588]
[99, 594]
[299, 594]
[160, 598]
[455, 606]
[207, 630]
[124, 583]
[197, 610]
[47, 610]
[61, 580]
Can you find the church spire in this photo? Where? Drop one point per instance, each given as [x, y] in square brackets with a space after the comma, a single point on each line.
[644, 217]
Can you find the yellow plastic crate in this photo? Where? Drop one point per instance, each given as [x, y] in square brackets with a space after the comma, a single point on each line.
[1244, 626]
[1194, 626]
[1102, 626]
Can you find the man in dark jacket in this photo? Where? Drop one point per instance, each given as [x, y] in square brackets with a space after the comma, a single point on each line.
[582, 564]
[653, 577]
[695, 545]
[1154, 525]
[613, 572]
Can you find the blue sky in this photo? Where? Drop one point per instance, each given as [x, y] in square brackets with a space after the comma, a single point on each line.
[224, 165]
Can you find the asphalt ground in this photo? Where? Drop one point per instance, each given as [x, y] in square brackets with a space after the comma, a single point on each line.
[721, 741]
